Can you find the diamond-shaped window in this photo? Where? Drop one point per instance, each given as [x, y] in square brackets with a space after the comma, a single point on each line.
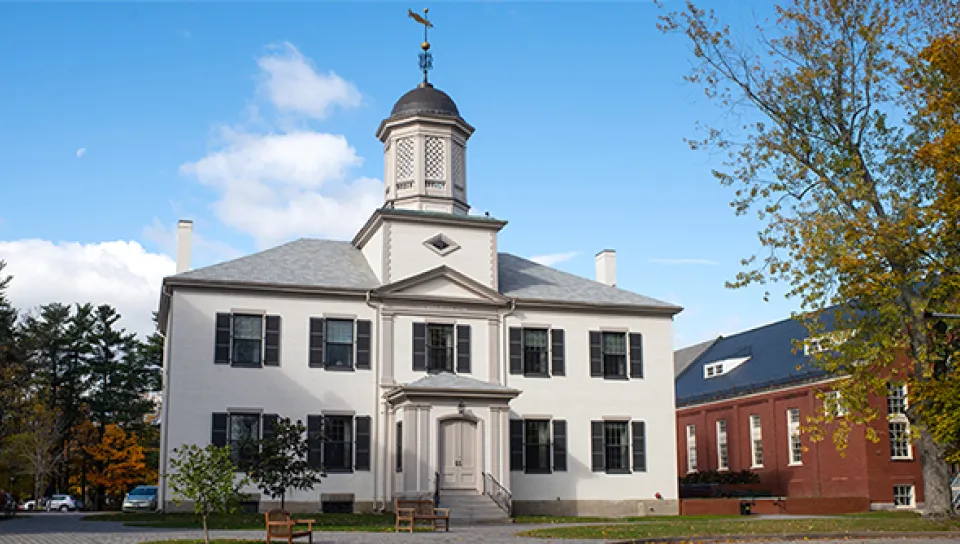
[441, 244]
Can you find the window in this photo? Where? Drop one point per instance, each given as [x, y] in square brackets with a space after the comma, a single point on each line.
[710, 371]
[903, 496]
[614, 355]
[399, 452]
[723, 460]
[338, 443]
[833, 404]
[793, 437]
[536, 351]
[756, 441]
[338, 351]
[243, 434]
[536, 445]
[616, 446]
[247, 340]
[899, 427]
[440, 348]
[691, 448]
[899, 440]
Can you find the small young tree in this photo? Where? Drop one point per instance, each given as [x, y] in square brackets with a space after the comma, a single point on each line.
[206, 476]
[281, 463]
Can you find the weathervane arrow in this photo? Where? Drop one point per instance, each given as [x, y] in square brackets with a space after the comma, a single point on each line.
[426, 59]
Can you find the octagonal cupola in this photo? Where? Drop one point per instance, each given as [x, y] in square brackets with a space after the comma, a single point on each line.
[424, 148]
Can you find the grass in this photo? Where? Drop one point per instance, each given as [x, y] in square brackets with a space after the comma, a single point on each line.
[661, 527]
[240, 522]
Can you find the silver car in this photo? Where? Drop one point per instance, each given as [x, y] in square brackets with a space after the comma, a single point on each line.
[142, 498]
[63, 503]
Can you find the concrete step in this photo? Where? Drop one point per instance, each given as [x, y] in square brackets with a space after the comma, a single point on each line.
[472, 508]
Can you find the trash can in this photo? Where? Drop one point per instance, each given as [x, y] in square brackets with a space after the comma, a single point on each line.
[744, 508]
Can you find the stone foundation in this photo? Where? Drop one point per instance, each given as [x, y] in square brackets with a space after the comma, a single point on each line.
[606, 509]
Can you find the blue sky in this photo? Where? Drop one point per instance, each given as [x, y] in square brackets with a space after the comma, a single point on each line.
[118, 119]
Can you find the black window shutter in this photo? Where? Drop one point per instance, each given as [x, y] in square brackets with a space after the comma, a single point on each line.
[639, 446]
[269, 425]
[363, 344]
[516, 444]
[419, 346]
[362, 449]
[219, 435]
[221, 348]
[559, 445]
[636, 355]
[596, 355]
[315, 441]
[399, 452]
[271, 353]
[316, 341]
[463, 349]
[596, 446]
[557, 352]
[516, 350]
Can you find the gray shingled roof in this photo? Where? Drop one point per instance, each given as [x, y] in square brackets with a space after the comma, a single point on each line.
[335, 264]
[308, 262]
[525, 279]
[447, 380]
[684, 356]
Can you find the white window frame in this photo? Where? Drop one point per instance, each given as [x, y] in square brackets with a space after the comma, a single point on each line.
[898, 418]
[756, 441]
[691, 448]
[794, 446]
[833, 404]
[911, 490]
[723, 449]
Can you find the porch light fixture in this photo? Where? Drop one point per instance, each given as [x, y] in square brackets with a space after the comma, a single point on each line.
[461, 407]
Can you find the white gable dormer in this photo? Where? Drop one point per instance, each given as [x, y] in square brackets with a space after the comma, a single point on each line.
[719, 368]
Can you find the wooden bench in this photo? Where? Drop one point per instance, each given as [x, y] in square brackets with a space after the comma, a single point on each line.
[281, 527]
[411, 511]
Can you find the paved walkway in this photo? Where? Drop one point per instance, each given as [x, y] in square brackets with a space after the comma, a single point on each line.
[70, 529]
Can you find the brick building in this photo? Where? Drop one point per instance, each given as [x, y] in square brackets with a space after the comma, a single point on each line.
[742, 400]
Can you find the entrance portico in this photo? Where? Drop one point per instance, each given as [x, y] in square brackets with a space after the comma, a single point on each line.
[447, 432]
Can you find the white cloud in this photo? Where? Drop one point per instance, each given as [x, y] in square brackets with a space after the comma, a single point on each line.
[685, 261]
[81, 152]
[276, 186]
[292, 84]
[120, 273]
[554, 258]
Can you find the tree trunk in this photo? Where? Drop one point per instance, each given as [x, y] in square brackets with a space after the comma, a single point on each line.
[937, 495]
[283, 498]
[206, 533]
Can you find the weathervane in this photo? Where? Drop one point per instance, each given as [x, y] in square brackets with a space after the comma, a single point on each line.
[426, 59]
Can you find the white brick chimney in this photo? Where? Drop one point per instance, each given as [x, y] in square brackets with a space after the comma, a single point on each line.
[184, 235]
[607, 267]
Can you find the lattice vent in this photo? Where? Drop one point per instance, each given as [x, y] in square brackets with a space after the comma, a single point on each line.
[404, 159]
[459, 166]
[433, 165]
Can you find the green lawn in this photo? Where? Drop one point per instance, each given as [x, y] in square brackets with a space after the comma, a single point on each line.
[322, 522]
[660, 527]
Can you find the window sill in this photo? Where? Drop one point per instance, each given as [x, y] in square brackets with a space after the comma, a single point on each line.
[618, 471]
[534, 471]
[535, 375]
[246, 365]
[335, 368]
[723, 469]
[901, 458]
[616, 378]
[338, 471]
[800, 464]
[752, 467]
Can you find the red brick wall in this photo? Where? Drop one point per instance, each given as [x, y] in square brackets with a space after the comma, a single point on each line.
[865, 470]
[798, 506]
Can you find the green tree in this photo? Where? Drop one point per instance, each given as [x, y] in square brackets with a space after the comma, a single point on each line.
[823, 149]
[37, 445]
[281, 463]
[206, 477]
[14, 373]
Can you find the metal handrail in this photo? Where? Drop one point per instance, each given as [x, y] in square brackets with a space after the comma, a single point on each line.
[501, 495]
[436, 490]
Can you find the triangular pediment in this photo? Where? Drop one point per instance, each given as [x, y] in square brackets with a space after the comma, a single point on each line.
[441, 282]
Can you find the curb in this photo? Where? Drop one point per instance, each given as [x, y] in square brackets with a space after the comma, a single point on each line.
[716, 539]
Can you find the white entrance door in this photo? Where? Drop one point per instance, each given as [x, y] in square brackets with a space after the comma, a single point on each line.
[458, 456]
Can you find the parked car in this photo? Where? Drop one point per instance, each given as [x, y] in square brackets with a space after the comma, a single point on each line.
[63, 503]
[143, 497]
[29, 505]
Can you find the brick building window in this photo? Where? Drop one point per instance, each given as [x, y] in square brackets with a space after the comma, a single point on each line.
[723, 458]
[899, 440]
[756, 442]
[899, 427]
[691, 448]
[903, 496]
[794, 446]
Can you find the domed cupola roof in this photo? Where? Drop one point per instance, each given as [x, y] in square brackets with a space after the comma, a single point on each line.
[425, 98]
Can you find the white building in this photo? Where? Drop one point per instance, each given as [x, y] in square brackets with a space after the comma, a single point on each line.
[431, 360]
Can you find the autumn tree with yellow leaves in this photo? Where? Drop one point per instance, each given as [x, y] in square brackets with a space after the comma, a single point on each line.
[117, 462]
[843, 140]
